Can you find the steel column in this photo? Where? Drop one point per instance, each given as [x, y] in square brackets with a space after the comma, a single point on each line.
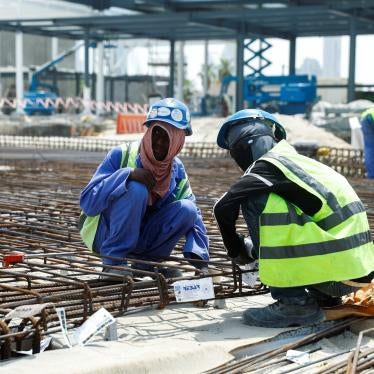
[172, 68]
[19, 70]
[292, 57]
[352, 60]
[206, 68]
[86, 58]
[239, 97]
[86, 88]
[100, 78]
[54, 45]
[180, 79]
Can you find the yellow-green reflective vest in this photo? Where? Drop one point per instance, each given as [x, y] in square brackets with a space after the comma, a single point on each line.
[368, 112]
[88, 224]
[333, 245]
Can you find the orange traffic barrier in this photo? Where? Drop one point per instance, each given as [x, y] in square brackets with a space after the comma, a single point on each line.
[130, 123]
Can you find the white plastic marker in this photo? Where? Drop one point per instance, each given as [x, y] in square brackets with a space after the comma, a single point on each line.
[98, 321]
[44, 344]
[91, 327]
[250, 278]
[64, 329]
[193, 290]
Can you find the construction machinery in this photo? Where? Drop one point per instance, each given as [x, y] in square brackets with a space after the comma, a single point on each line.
[41, 96]
[286, 94]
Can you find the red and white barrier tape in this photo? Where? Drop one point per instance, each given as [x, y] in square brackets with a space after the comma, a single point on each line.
[77, 103]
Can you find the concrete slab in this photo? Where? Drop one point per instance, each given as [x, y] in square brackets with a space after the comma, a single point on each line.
[179, 339]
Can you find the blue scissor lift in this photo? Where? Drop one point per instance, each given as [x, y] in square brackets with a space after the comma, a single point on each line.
[287, 94]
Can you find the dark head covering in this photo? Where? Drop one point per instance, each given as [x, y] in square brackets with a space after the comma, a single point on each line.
[249, 141]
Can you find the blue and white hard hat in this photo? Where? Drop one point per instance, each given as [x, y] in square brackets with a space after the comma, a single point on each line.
[171, 111]
[249, 114]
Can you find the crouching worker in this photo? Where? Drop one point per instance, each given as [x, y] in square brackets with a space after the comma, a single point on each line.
[139, 202]
[309, 229]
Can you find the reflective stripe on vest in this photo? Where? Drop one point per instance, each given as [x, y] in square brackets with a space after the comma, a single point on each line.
[184, 189]
[297, 249]
[88, 224]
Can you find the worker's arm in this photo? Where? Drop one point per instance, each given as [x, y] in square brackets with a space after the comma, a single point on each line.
[197, 242]
[262, 178]
[108, 183]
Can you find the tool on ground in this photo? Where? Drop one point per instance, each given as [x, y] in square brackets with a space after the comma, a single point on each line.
[16, 257]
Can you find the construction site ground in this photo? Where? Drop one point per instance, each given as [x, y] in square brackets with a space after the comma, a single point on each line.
[39, 210]
[178, 339]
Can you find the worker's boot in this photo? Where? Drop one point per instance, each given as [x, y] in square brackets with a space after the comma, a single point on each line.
[323, 300]
[287, 312]
[122, 271]
[167, 272]
[170, 272]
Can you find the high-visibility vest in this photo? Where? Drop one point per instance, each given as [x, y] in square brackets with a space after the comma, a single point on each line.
[88, 224]
[368, 112]
[332, 245]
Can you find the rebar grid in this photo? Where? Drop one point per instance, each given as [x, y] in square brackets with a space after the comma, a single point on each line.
[346, 161]
[39, 211]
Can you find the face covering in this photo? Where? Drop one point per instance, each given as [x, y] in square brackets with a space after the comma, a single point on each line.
[242, 153]
[161, 170]
[249, 141]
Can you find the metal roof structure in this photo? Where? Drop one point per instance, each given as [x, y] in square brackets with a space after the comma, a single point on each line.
[183, 20]
[207, 19]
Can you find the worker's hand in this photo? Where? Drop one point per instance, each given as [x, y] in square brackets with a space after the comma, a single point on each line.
[245, 255]
[143, 176]
[242, 259]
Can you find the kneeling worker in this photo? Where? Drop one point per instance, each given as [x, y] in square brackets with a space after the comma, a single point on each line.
[308, 227]
[139, 201]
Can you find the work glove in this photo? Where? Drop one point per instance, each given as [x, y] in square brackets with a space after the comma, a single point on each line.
[244, 256]
[143, 176]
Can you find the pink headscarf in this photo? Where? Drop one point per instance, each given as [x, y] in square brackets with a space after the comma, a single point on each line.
[161, 170]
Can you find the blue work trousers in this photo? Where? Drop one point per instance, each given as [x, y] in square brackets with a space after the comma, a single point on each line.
[129, 227]
[367, 126]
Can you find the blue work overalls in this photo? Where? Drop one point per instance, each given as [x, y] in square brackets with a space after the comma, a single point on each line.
[128, 226]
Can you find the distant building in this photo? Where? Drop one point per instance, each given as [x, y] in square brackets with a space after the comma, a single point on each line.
[331, 57]
[310, 66]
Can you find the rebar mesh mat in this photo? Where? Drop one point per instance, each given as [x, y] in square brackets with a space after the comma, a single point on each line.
[346, 161]
[39, 210]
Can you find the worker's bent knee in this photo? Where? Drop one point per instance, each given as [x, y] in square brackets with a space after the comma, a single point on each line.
[137, 190]
[188, 212]
[218, 209]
